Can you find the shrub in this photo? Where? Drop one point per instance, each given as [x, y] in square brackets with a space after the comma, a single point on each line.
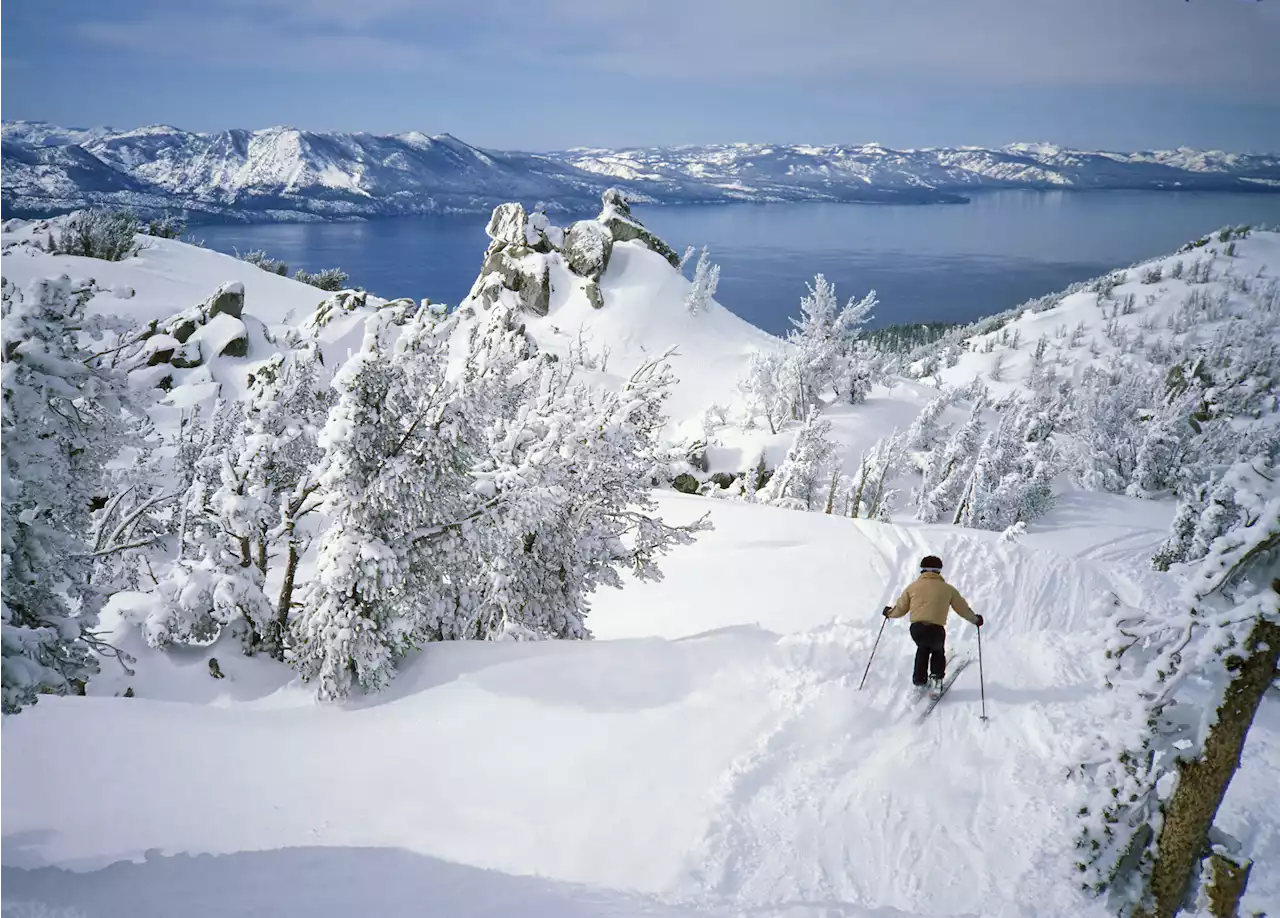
[167, 227]
[328, 279]
[260, 258]
[106, 234]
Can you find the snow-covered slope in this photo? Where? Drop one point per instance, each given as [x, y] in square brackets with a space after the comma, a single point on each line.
[717, 755]
[165, 277]
[284, 173]
[710, 754]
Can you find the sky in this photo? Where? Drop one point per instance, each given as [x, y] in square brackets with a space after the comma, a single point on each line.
[552, 74]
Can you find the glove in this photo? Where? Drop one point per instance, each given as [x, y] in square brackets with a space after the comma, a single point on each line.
[887, 610]
[980, 619]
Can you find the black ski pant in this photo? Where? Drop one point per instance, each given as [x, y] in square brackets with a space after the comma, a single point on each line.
[931, 651]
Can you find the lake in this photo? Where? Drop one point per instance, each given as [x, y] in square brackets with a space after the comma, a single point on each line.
[952, 263]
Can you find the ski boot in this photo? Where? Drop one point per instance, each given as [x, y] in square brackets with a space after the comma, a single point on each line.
[935, 687]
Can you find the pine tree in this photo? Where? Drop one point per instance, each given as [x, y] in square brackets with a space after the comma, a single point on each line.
[823, 339]
[802, 479]
[388, 454]
[61, 424]
[767, 385]
[949, 470]
[706, 277]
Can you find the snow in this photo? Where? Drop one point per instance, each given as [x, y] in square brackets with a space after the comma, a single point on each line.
[643, 317]
[708, 754]
[164, 278]
[710, 750]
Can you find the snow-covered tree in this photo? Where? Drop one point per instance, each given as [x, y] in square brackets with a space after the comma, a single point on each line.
[803, 479]
[1191, 679]
[948, 470]
[61, 424]
[823, 339]
[213, 583]
[287, 404]
[1012, 476]
[867, 495]
[767, 386]
[706, 277]
[925, 431]
[473, 505]
[389, 455]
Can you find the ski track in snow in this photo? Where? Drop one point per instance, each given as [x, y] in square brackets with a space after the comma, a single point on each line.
[848, 804]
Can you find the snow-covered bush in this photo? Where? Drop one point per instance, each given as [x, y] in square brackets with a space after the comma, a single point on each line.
[166, 227]
[329, 279]
[61, 424]
[261, 259]
[106, 234]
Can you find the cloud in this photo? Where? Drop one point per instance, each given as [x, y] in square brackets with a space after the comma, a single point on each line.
[996, 42]
[831, 44]
[256, 41]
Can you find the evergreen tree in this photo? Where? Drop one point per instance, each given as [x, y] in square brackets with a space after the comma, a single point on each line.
[948, 471]
[802, 480]
[706, 277]
[61, 424]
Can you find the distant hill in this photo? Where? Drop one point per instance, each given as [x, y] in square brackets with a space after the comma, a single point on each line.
[286, 174]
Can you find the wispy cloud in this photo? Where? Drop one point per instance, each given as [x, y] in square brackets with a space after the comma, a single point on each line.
[264, 43]
[978, 42]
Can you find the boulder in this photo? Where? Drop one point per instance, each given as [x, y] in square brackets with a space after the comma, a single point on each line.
[223, 336]
[509, 225]
[595, 296]
[340, 303]
[616, 215]
[528, 277]
[587, 247]
[226, 300]
[187, 356]
[160, 349]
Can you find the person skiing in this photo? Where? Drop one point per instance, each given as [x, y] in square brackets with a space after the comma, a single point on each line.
[928, 600]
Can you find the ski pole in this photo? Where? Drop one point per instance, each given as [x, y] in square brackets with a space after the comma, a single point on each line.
[982, 681]
[873, 653]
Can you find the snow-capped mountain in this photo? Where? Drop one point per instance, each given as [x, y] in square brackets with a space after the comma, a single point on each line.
[286, 174]
[755, 171]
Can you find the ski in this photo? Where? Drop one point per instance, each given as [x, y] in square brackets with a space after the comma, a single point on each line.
[957, 667]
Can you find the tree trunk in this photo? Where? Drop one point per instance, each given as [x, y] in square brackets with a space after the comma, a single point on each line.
[1202, 783]
[1227, 882]
[286, 599]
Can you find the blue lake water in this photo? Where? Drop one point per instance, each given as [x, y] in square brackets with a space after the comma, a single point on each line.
[927, 263]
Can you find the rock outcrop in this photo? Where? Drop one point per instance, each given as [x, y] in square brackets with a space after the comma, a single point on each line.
[516, 260]
[523, 246]
[616, 215]
[190, 338]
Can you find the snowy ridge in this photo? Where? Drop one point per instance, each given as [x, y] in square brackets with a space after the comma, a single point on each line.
[757, 171]
[285, 173]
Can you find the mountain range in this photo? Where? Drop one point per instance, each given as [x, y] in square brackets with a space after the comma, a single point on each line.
[282, 173]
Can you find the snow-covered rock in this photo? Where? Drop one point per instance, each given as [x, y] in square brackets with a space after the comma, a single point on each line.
[616, 217]
[587, 247]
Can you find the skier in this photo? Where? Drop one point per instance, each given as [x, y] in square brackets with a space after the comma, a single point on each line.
[928, 599]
